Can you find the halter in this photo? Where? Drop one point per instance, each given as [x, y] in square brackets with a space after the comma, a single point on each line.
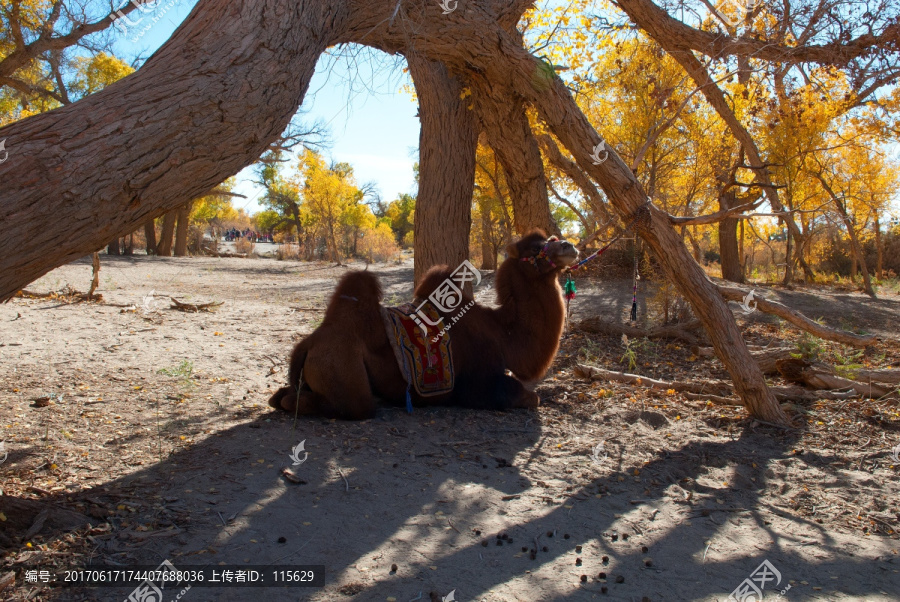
[542, 254]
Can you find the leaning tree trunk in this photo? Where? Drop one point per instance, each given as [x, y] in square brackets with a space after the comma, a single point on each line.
[448, 141]
[204, 106]
[729, 254]
[164, 247]
[181, 231]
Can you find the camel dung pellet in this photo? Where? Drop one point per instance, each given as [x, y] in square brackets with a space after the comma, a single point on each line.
[477, 532]
[549, 533]
[533, 554]
[524, 548]
[545, 549]
[578, 549]
[625, 536]
[614, 537]
[601, 575]
[499, 542]
[566, 536]
[603, 589]
[648, 562]
[484, 543]
[605, 559]
[620, 579]
[282, 540]
[644, 549]
[578, 562]
[393, 568]
[584, 578]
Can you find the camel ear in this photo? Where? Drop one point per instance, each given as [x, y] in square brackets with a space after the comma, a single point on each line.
[512, 251]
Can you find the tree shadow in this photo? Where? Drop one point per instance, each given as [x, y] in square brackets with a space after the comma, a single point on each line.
[426, 491]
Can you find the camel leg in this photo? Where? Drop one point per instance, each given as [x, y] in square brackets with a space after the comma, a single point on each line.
[496, 392]
[340, 385]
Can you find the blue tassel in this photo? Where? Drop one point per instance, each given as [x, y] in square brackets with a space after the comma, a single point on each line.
[408, 401]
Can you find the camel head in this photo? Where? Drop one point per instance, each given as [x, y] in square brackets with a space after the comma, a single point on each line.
[545, 255]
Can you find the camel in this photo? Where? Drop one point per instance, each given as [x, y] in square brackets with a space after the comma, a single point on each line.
[347, 363]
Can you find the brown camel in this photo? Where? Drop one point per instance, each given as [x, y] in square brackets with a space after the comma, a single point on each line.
[348, 362]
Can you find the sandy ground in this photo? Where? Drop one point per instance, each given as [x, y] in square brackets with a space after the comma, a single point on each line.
[157, 428]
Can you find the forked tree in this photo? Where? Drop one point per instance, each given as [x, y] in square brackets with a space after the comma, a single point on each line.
[227, 83]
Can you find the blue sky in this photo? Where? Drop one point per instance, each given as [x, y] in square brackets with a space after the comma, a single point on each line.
[372, 124]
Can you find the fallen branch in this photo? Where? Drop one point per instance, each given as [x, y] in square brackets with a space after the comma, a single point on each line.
[719, 388]
[822, 376]
[732, 293]
[67, 295]
[676, 331]
[879, 376]
[765, 357]
[719, 392]
[192, 307]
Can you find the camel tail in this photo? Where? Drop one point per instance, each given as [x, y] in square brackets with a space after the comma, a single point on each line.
[298, 359]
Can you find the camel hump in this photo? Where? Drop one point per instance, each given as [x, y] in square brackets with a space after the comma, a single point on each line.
[432, 279]
[362, 287]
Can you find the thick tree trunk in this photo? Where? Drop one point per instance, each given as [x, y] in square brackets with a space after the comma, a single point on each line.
[728, 241]
[204, 106]
[150, 235]
[128, 245]
[447, 144]
[509, 134]
[113, 247]
[164, 247]
[181, 230]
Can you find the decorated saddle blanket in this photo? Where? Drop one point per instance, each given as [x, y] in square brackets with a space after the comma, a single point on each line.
[422, 351]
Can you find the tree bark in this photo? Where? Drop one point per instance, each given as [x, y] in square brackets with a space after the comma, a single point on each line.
[150, 235]
[879, 249]
[128, 244]
[729, 255]
[204, 106]
[509, 134]
[113, 247]
[447, 144]
[164, 247]
[181, 231]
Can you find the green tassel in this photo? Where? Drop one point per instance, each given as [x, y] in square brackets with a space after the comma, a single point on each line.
[569, 288]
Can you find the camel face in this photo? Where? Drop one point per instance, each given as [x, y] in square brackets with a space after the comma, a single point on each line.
[547, 254]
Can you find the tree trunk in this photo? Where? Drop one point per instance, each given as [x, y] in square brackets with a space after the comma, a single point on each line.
[728, 241]
[488, 257]
[128, 245]
[447, 145]
[879, 249]
[181, 231]
[205, 105]
[164, 248]
[113, 247]
[150, 235]
[509, 134]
